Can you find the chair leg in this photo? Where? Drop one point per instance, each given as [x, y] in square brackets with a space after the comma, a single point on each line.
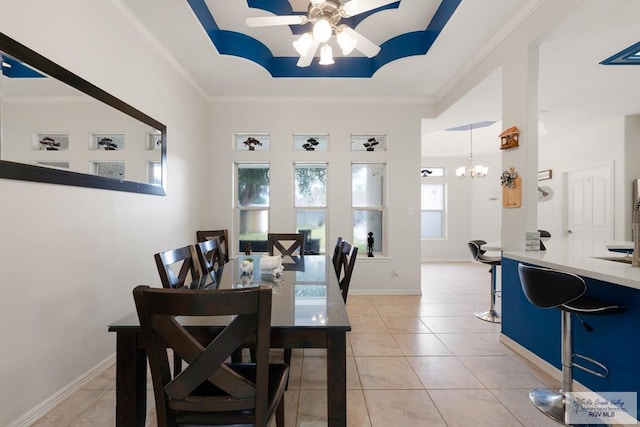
[491, 315]
[280, 413]
[287, 361]
[551, 402]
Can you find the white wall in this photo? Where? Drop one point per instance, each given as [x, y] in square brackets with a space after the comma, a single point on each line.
[401, 124]
[471, 212]
[596, 143]
[69, 256]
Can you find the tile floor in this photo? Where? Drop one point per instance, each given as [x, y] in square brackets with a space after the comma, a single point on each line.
[412, 361]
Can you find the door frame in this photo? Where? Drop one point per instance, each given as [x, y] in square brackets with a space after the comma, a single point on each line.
[612, 198]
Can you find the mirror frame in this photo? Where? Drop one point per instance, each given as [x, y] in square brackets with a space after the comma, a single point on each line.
[26, 172]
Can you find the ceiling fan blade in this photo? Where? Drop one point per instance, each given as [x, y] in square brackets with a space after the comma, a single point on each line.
[363, 44]
[355, 7]
[305, 60]
[270, 21]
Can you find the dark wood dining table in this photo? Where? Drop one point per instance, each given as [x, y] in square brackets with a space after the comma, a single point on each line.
[307, 312]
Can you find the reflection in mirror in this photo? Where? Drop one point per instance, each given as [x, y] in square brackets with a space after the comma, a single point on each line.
[58, 128]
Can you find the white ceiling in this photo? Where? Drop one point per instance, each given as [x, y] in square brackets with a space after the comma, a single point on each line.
[573, 86]
[420, 77]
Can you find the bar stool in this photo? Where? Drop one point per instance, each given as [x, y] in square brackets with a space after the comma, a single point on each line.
[546, 288]
[479, 255]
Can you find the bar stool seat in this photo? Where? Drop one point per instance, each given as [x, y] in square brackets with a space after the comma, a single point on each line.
[478, 254]
[546, 288]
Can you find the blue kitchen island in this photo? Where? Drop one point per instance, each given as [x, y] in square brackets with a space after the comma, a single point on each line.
[535, 333]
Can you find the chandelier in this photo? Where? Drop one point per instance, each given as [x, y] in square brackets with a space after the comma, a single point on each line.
[325, 15]
[471, 171]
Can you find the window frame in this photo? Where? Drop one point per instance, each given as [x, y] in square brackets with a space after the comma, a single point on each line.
[238, 209]
[379, 208]
[323, 208]
[445, 219]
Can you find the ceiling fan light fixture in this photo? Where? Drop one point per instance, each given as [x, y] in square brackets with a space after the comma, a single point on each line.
[303, 44]
[346, 42]
[322, 30]
[326, 55]
[317, 3]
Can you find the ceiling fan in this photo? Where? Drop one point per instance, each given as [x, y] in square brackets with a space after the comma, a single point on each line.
[325, 15]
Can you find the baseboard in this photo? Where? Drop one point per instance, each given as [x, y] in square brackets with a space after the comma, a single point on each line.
[444, 260]
[385, 292]
[49, 404]
[539, 362]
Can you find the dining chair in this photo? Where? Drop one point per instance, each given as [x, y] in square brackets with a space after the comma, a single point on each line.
[211, 391]
[285, 244]
[211, 262]
[336, 256]
[347, 261]
[223, 235]
[210, 255]
[180, 259]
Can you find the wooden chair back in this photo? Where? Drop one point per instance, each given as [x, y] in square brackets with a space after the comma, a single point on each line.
[210, 391]
[209, 256]
[347, 261]
[222, 235]
[285, 244]
[336, 256]
[169, 261]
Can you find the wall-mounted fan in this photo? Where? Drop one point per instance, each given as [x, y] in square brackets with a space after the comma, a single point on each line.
[325, 15]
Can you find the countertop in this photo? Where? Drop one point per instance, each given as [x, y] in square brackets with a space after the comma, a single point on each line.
[577, 256]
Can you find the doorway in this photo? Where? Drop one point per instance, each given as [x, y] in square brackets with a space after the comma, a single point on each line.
[590, 203]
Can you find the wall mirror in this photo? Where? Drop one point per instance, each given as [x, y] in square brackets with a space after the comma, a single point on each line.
[58, 128]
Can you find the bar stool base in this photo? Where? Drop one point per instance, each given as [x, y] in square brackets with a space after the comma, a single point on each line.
[551, 403]
[489, 316]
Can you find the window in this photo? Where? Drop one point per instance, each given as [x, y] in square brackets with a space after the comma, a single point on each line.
[113, 170]
[50, 141]
[154, 173]
[252, 203]
[432, 211]
[252, 141]
[107, 141]
[311, 204]
[368, 142]
[59, 165]
[426, 172]
[367, 201]
[310, 141]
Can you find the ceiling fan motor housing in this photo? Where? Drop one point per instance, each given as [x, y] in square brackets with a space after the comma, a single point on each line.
[329, 9]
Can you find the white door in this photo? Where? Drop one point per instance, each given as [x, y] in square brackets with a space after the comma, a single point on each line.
[590, 204]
